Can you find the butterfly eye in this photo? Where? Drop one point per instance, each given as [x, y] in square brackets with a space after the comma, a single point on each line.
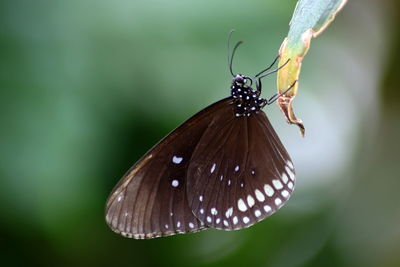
[240, 79]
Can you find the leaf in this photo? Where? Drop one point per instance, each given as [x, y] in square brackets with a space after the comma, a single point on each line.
[310, 19]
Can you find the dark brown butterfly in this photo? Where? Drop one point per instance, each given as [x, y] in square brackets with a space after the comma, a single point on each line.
[223, 168]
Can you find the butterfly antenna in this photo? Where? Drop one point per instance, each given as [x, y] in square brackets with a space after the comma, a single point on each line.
[274, 70]
[230, 56]
[273, 63]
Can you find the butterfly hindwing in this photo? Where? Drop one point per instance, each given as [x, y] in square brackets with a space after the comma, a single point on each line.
[240, 173]
[150, 200]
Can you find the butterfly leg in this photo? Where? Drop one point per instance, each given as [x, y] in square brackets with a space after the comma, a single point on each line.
[258, 85]
[258, 78]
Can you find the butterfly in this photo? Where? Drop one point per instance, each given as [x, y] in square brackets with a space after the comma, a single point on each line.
[223, 168]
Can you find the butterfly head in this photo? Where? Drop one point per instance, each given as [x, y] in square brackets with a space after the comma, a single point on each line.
[240, 79]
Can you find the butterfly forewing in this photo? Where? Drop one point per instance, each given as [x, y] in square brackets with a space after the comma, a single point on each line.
[240, 173]
[150, 200]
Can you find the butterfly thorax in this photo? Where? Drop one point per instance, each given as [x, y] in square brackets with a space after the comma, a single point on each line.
[246, 100]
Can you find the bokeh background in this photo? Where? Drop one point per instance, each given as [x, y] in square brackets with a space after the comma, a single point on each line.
[87, 87]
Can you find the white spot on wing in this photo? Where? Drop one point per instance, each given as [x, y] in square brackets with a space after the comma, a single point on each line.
[257, 213]
[213, 168]
[222, 177]
[191, 225]
[285, 193]
[259, 195]
[242, 207]
[277, 184]
[284, 177]
[290, 173]
[237, 168]
[250, 201]
[226, 223]
[201, 211]
[229, 212]
[178, 224]
[119, 198]
[176, 159]
[246, 219]
[201, 198]
[166, 226]
[290, 164]
[267, 208]
[214, 211]
[175, 183]
[229, 182]
[209, 219]
[278, 201]
[269, 191]
[218, 220]
[253, 172]
[290, 185]
[235, 220]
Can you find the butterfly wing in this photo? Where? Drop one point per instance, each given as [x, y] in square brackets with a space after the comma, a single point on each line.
[245, 177]
[150, 200]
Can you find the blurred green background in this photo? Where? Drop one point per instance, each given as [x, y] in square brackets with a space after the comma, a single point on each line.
[87, 87]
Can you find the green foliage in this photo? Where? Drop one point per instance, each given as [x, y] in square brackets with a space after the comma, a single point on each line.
[310, 18]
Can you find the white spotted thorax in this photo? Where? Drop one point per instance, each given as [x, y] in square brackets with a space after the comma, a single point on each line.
[247, 100]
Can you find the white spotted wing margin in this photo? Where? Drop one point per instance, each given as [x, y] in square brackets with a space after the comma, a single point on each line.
[240, 173]
[150, 199]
